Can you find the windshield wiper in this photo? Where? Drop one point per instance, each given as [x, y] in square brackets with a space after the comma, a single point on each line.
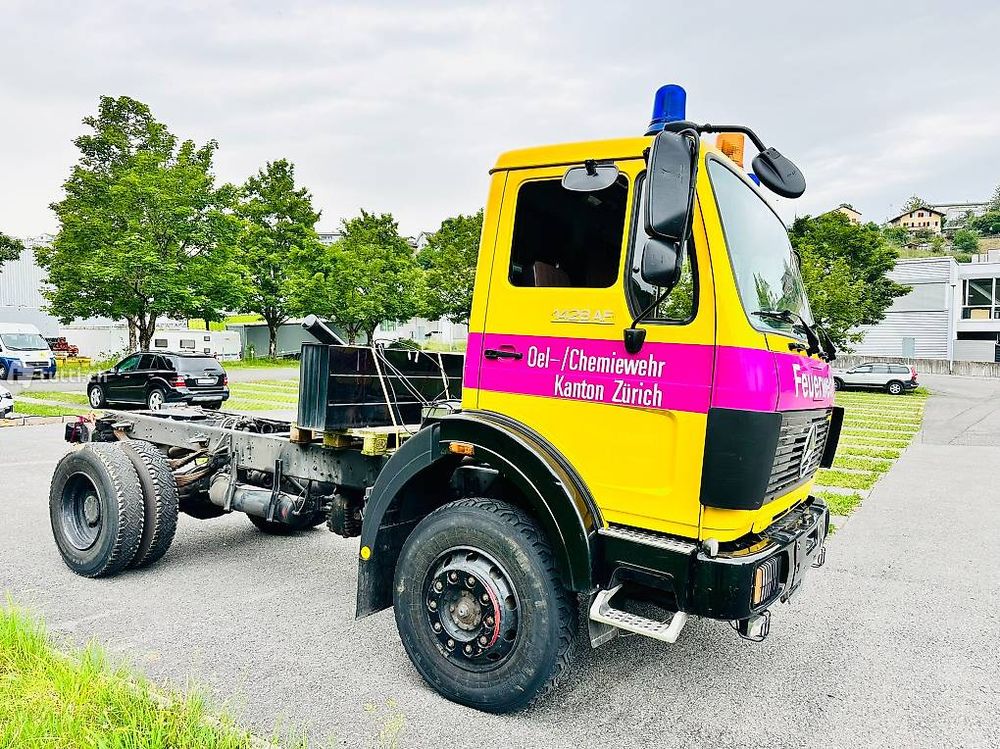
[797, 322]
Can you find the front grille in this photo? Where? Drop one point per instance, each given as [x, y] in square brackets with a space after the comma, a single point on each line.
[36, 364]
[801, 431]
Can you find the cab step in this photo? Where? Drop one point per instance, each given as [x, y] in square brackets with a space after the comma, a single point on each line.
[603, 612]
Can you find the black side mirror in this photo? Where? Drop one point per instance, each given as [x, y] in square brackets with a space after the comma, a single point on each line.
[779, 174]
[670, 191]
[590, 177]
[661, 264]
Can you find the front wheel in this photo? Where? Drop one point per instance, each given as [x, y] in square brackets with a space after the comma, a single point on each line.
[480, 606]
[4, 371]
[838, 384]
[96, 396]
[895, 387]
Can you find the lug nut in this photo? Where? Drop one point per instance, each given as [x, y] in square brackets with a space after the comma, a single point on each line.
[438, 586]
[451, 644]
[453, 577]
[452, 608]
[432, 605]
[437, 626]
[483, 641]
[485, 598]
[468, 650]
[489, 621]
[471, 582]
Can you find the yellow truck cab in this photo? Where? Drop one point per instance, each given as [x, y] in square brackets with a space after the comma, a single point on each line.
[644, 390]
[644, 402]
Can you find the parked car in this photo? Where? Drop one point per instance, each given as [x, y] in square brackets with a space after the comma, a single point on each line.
[893, 378]
[6, 402]
[24, 353]
[154, 379]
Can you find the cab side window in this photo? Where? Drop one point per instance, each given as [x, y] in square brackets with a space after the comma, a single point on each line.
[679, 305]
[567, 238]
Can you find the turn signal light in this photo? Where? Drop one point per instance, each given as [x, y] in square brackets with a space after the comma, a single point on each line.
[731, 144]
[461, 448]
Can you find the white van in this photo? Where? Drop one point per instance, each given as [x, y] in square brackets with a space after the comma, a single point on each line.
[24, 353]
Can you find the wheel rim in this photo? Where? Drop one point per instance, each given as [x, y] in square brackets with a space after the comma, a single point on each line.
[471, 608]
[82, 519]
[95, 397]
[155, 400]
[3, 372]
[894, 388]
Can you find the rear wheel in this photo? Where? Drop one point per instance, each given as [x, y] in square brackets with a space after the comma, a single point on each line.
[159, 492]
[155, 399]
[895, 387]
[96, 510]
[480, 607]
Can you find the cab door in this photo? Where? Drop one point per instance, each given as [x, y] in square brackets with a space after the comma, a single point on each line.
[563, 286]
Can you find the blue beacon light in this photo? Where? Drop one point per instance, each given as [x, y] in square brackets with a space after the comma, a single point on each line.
[669, 105]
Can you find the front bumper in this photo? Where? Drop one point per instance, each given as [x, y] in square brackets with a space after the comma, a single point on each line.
[18, 370]
[686, 577]
[722, 587]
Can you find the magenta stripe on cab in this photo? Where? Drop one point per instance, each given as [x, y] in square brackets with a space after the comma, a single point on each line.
[663, 376]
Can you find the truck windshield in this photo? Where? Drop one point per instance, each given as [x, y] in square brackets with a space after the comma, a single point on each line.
[767, 274]
[24, 342]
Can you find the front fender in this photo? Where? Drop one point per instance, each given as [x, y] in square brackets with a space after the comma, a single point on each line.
[415, 481]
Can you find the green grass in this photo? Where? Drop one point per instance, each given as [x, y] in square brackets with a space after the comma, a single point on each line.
[24, 407]
[841, 504]
[833, 477]
[58, 701]
[877, 428]
[859, 463]
[262, 363]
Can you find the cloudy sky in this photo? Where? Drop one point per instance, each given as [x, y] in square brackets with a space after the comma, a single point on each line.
[404, 106]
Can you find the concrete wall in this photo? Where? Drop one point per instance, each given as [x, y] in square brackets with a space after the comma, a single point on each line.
[924, 366]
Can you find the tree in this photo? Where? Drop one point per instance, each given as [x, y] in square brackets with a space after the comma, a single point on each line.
[994, 204]
[897, 235]
[367, 278]
[988, 224]
[278, 229]
[139, 213]
[844, 267]
[450, 261]
[965, 240]
[10, 248]
[913, 203]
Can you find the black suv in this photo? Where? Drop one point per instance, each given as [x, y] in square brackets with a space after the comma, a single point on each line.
[153, 379]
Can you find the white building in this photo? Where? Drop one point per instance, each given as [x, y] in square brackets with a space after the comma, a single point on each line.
[21, 298]
[952, 312]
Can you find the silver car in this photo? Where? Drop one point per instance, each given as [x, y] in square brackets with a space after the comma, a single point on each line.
[893, 378]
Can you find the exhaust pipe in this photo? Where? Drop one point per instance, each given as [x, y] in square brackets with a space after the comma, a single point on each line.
[321, 331]
[250, 499]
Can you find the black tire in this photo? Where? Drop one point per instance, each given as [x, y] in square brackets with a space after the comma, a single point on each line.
[4, 372]
[96, 510]
[838, 384]
[155, 399]
[159, 492]
[533, 653]
[894, 387]
[96, 396]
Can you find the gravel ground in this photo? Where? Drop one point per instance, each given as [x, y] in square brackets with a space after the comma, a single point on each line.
[893, 643]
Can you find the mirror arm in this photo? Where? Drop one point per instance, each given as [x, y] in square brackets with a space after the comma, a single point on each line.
[758, 143]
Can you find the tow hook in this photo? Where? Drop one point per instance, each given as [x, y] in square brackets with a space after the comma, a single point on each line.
[821, 558]
[754, 628]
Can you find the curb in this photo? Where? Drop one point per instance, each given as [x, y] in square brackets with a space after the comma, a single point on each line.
[30, 421]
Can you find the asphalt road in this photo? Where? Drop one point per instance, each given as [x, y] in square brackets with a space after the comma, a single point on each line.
[892, 644]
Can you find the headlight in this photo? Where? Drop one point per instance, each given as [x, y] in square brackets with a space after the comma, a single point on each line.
[765, 580]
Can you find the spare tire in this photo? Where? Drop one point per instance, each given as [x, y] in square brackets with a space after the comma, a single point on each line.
[159, 491]
[96, 510]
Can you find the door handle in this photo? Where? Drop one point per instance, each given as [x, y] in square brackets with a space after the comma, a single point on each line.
[494, 354]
